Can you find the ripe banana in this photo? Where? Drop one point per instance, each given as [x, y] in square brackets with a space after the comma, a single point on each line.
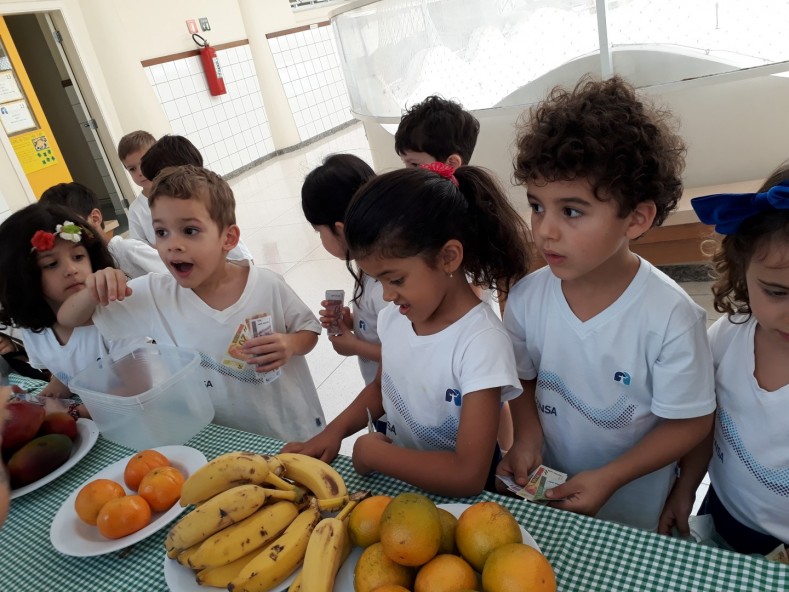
[319, 477]
[222, 473]
[333, 504]
[280, 558]
[244, 537]
[324, 556]
[222, 510]
[220, 577]
[275, 466]
[183, 556]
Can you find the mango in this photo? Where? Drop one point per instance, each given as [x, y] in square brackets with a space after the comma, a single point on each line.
[59, 422]
[23, 420]
[38, 458]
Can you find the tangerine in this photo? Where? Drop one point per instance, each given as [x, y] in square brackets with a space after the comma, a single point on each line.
[482, 528]
[161, 487]
[92, 497]
[411, 529]
[140, 464]
[515, 566]
[364, 523]
[445, 573]
[374, 569]
[123, 516]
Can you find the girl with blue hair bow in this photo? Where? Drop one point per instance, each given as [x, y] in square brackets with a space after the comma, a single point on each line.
[747, 453]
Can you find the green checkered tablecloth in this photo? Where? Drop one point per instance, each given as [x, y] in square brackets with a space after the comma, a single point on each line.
[588, 555]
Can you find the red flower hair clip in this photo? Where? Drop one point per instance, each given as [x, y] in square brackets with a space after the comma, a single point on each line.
[446, 171]
[42, 241]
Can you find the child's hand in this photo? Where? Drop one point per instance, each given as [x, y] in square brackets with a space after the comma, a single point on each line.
[366, 447]
[676, 511]
[325, 446]
[327, 317]
[519, 463]
[344, 343]
[107, 285]
[585, 493]
[269, 352]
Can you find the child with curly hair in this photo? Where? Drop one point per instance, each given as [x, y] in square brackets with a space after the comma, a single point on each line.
[747, 452]
[612, 354]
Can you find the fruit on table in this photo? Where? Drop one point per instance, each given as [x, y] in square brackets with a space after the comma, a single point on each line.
[38, 458]
[123, 516]
[59, 422]
[161, 487]
[92, 497]
[222, 473]
[317, 476]
[411, 529]
[324, 555]
[364, 523]
[516, 566]
[23, 420]
[374, 569]
[482, 528]
[391, 588]
[445, 573]
[448, 525]
[140, 464]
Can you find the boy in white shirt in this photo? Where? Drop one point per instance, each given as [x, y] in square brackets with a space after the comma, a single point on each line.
[612, 354]
[131, 149]
[260, 384]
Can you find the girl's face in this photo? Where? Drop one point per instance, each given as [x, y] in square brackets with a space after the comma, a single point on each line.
[63, 271]
[767, 278]
[332, 240]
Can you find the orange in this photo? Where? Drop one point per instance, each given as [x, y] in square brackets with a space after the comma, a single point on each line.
[161, 487]
[482, 528]
[448, 525]
[140, 464]
[445, 573]
[92, 497]
[374, 569]
[411, 529]
[514, 567]
[365, 520]
[123, 516]
[390, 588]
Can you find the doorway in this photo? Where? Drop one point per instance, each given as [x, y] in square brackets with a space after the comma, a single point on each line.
[40, 48]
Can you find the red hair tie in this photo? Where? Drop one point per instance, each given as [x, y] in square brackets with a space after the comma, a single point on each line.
[445, 170]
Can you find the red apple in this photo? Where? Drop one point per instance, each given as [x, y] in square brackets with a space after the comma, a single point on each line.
[23, 420]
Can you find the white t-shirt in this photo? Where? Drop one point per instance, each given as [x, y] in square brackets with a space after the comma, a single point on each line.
[141, 228]
[287, 408]
[134, 257]
[365, 322]
[750, 462]
[86, 345]
[603, 384]
[424, 378]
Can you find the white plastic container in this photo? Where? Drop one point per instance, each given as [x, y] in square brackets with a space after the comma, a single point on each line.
[151, 397]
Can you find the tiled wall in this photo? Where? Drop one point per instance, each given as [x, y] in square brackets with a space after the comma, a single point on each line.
[230, 130]
[312, 77]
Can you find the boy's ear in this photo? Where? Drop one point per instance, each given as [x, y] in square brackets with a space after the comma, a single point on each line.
[641, 219]
[451, 256]
[339, 228]
[454, 161]
[95, 217]
[231, 237]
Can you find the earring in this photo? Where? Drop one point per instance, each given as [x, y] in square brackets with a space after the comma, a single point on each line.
[450, 274]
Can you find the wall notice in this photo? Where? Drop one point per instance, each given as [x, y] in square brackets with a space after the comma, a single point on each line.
[33, 151]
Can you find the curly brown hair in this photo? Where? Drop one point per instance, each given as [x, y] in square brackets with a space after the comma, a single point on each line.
[601, 131]
[735, 251]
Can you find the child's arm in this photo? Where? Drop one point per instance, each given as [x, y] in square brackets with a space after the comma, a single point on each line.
[269, 352]
[679, 505]
[102, 287]
[56, 389]
[671, 439]
[458, 473]
[526, 452]
[347, 344]
[326, 445]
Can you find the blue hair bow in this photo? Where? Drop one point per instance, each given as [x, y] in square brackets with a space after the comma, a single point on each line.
[728, 210]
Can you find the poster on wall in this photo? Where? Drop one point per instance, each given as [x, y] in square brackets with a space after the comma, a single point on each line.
[16, 117]
[33, 151]
[9, 89]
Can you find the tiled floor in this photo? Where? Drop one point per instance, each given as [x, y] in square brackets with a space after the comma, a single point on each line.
[273, 227]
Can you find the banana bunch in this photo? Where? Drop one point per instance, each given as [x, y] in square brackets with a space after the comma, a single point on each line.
[256, 516]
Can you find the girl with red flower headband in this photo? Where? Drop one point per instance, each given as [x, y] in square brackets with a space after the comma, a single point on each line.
[447, 362]
[46, 252]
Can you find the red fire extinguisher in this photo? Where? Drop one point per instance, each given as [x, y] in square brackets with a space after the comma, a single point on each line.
[211, 67]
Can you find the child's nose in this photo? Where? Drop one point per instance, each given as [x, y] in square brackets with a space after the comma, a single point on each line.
[547, 227]
[389, 294]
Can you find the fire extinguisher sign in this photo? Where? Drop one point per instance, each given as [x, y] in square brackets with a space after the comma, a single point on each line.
[217, 68]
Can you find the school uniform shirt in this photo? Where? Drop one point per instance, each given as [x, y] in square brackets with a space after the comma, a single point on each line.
[134, 257]
[85, 346]
[287, 407]
[141, 228]
[365, 322]
[604, 383]
[749, 468]
[425, 378]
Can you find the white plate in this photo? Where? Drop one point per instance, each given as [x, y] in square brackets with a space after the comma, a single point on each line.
[182, 579]
[71, 536]
[87, 434]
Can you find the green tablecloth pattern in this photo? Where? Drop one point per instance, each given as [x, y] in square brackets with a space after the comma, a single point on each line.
[588, 555]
